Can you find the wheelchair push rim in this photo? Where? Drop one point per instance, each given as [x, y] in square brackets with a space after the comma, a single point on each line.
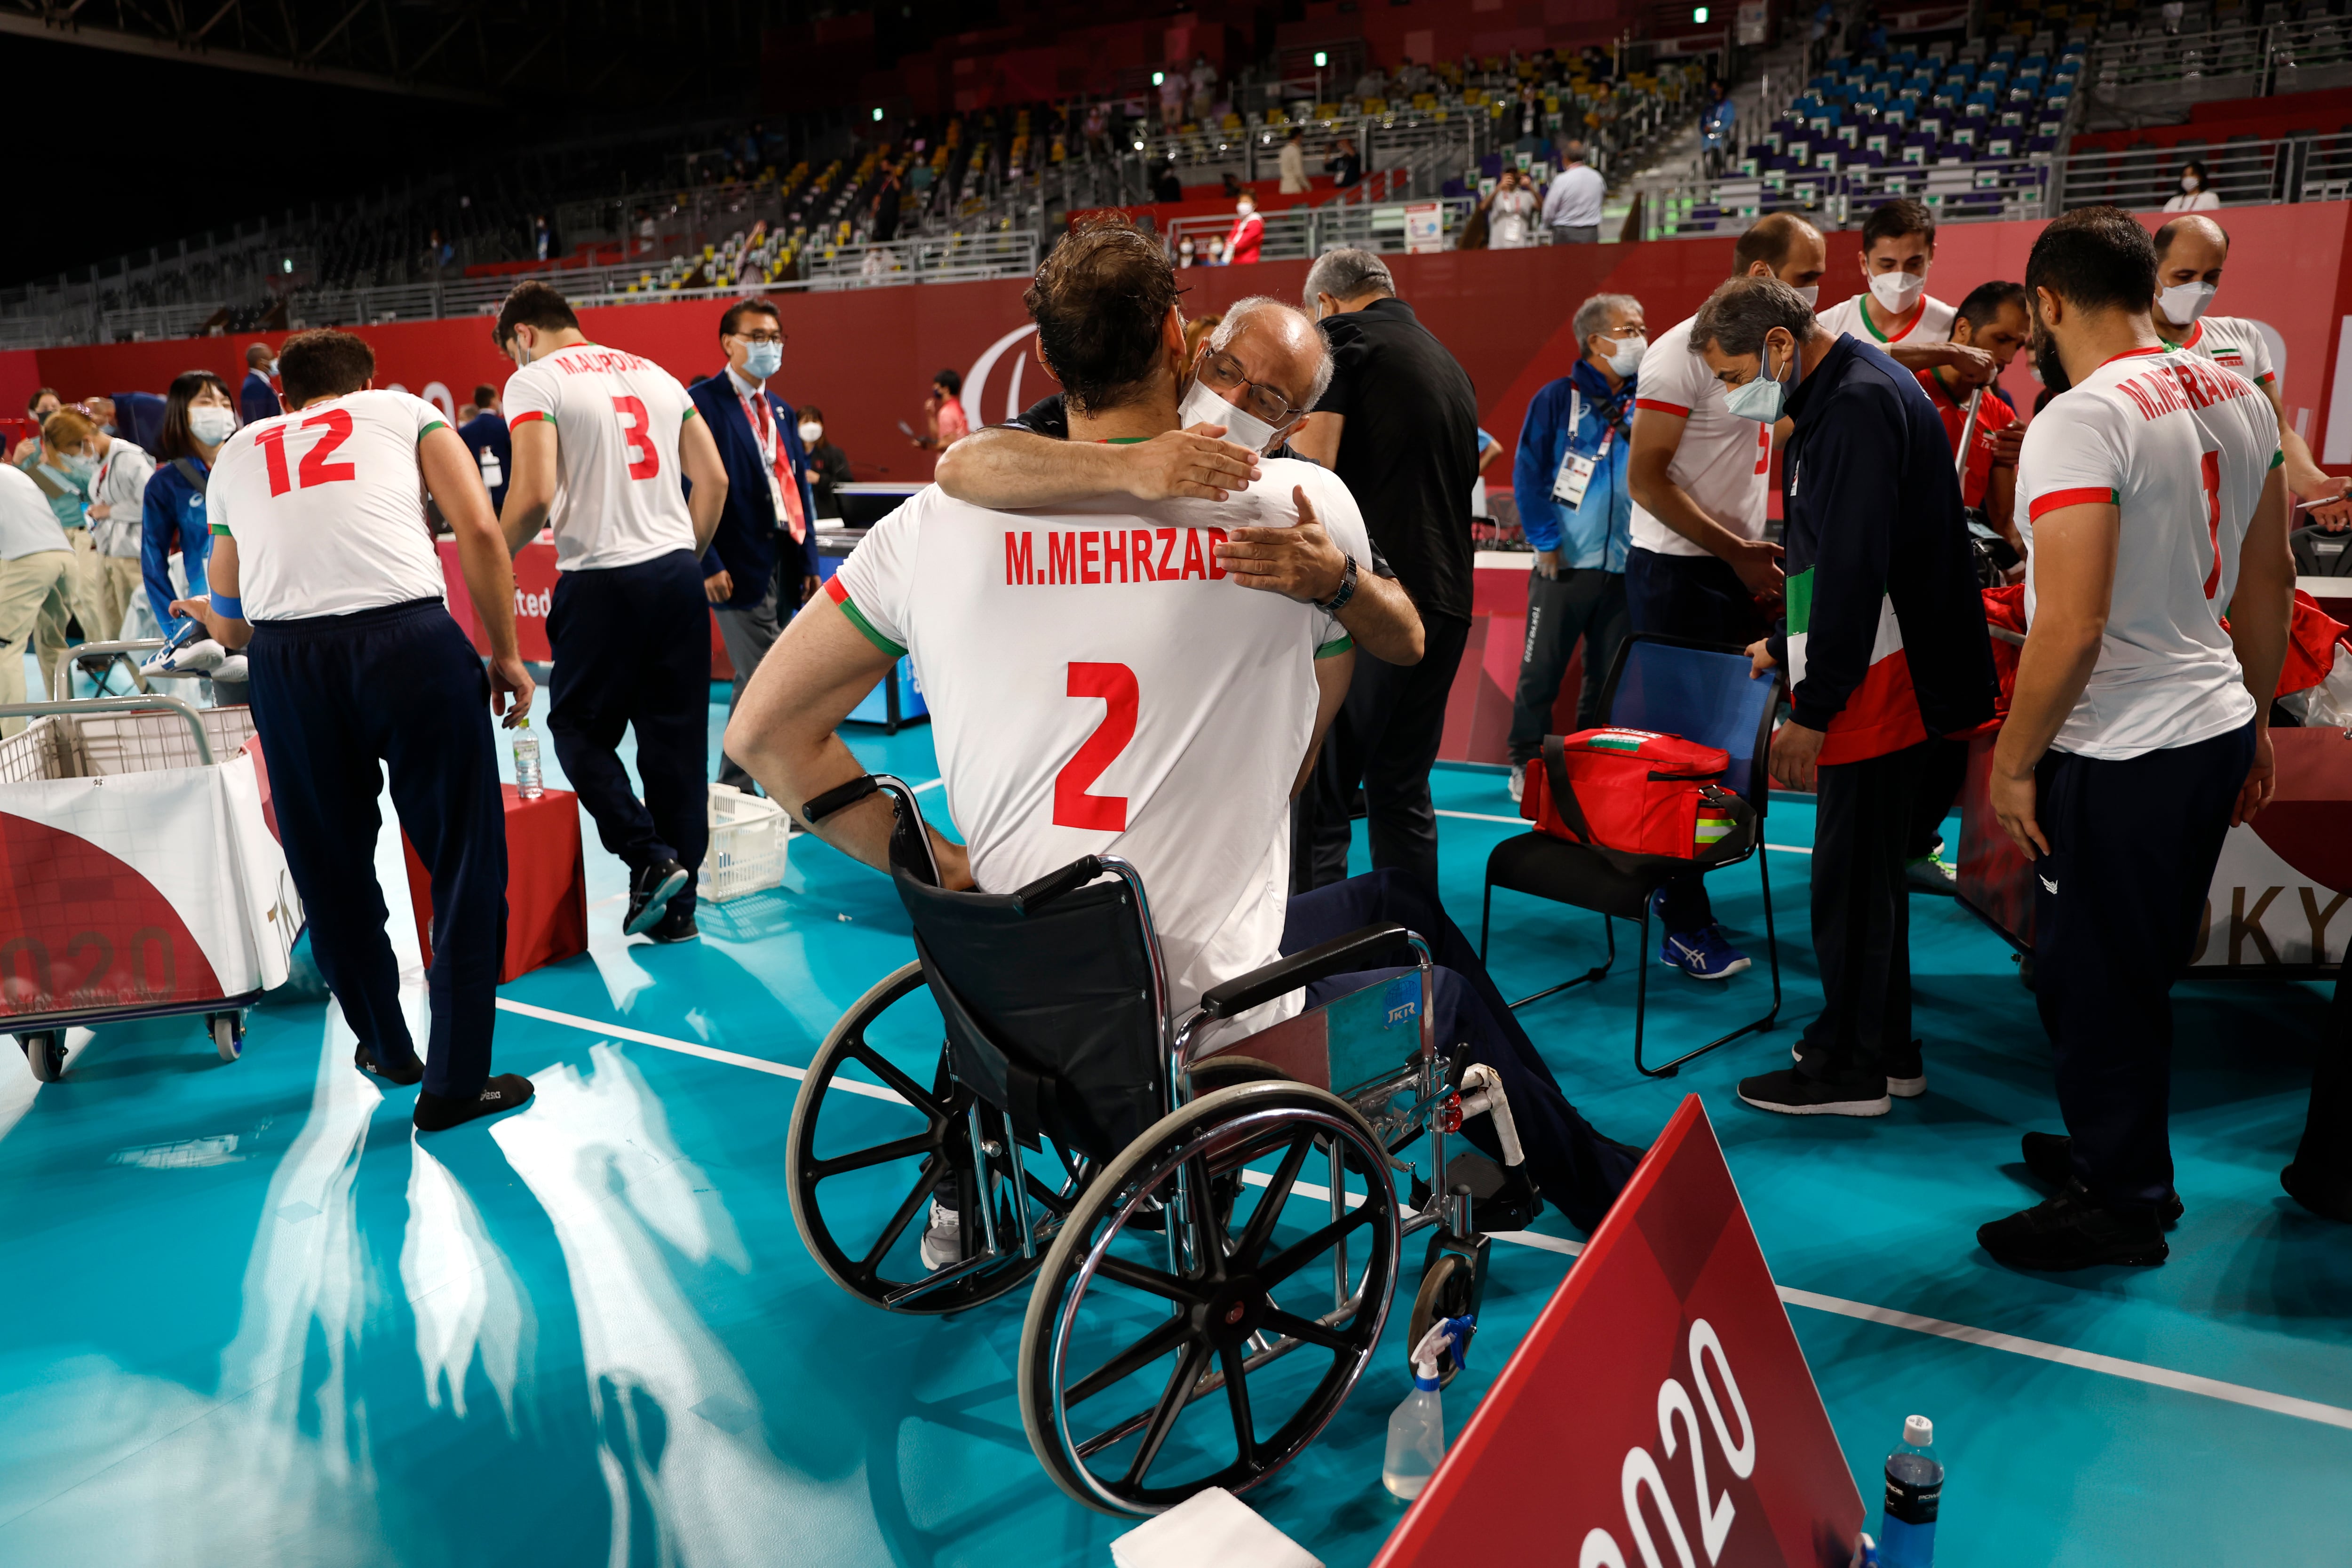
[849, 1258]
[1217, 1314]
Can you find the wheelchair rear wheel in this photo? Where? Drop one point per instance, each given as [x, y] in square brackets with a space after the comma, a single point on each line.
[866, 1153]
[1257, 1314]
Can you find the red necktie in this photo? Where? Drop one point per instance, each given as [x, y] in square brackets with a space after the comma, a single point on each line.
[786, 485]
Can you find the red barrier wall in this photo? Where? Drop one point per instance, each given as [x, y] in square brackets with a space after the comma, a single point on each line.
[867, 356]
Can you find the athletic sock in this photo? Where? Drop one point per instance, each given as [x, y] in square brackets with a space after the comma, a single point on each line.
[365, 1057]
[437, 1114]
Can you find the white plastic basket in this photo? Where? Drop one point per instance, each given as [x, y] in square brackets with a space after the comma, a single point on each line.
[750, 840]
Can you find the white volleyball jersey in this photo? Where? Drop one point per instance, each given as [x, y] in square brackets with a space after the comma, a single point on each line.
[2233, 341]
[619, 498]
[1932, 324]
[327, 507]
[2182, 449]
[1096, 687]
[1724, 462]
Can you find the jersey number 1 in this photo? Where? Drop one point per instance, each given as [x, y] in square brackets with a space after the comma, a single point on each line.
[316, 469]
[1073, 806]
[637, 442]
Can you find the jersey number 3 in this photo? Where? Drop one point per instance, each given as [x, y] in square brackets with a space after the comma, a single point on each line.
[637, 442]
[1073, 806]
[2211, 475]
[317, 466]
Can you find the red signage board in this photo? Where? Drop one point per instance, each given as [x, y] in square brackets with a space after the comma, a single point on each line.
[1659, 1414]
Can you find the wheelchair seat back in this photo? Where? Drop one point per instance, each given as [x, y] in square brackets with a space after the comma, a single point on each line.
[1051, 1013]
[1347, 1044]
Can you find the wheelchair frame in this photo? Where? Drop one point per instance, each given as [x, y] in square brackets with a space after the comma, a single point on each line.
[1226, 1104]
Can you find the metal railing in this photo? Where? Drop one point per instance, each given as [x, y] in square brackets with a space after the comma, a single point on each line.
[2158, 73]
[1302, 232]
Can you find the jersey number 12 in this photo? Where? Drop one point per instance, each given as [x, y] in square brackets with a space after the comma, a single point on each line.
[1073, 806]
[316, 467]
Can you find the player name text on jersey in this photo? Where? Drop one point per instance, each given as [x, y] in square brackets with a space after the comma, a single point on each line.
[1096, 555]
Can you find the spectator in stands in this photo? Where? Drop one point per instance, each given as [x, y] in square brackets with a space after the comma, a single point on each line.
[1185, 251]
[1343, 165]
[1171, 99]
[761, 567]
[1896, 315]
[62, 473]
[198, 416]
[542, 238]
[439, 253]
[1716, 125]
[2190, 252]
[1293, 163]
[887, 202]
[2197, 193]
[1698, 564]
[1165, 186]
[943, 412]
[257, 397]
[1527, 121]
[34, 561]
[644, 231]
[118, 491]
[828, 465]
[1202, 78]
[38, 406]
[1248, 232]
[485, 435]
[1572, 208]
[1371, 84]
[1577, 511]
[1510, 214]
[1399, 425]
[1886, 648]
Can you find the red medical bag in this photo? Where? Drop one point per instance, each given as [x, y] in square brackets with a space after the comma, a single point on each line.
[1635, 793]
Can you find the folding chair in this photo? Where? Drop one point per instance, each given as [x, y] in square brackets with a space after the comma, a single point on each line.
[1702, 691]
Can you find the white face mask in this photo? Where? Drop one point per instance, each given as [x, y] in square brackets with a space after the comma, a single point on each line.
[2184, 302]
[811, 434]
[80, 464]
[1628, 357]
[2188, 184]
[1897, 291]
[1760, 398]
[1203, 406]
[212, 426]
[1811, 295]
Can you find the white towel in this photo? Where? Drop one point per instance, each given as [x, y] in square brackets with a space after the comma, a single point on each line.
[1212, 1529]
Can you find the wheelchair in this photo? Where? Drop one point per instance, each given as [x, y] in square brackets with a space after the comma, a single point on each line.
[1197, 1312]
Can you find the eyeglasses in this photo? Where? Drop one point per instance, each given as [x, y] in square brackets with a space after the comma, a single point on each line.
[778, 339]
[1223, 372]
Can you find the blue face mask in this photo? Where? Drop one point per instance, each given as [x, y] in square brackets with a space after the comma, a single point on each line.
[763, 361]
[1760, 399]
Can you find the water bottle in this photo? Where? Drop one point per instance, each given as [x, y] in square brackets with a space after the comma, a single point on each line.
[1417, 1426]
[1915, 1485]
[525, 756]
[493, 476]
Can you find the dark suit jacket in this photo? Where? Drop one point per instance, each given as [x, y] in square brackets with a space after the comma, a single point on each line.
[749, 535]
[257, 399]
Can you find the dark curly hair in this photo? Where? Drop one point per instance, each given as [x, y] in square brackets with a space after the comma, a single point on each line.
[1099, 301]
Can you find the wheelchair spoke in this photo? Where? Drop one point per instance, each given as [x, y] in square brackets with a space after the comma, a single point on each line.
[1208, 1234]
[1309, 1331]
[1270, 1202]
[881, 1154]
[1150, 1280]
[1292, 1259]
[1237, 1400]
[906, 1088]
[898, 1220]
[1131, 1360]
[1171, 1405]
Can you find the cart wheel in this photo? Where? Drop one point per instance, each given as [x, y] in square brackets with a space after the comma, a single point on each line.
[1445, 1292]
[229, 1036]
[46, 1054]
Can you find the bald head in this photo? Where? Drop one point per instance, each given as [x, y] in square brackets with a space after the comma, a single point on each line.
[2190, 249]
[2195, 226]
[1276, 347]
[1781, 245]
[258, 357]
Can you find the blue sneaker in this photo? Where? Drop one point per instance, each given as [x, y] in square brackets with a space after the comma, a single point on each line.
[1703, 955]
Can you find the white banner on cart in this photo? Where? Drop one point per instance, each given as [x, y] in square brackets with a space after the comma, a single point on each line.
[2262, 912]
[142, 888]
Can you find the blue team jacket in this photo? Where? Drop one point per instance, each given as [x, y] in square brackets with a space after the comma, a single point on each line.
[173, 519]
[1597, 533]
[750, 534]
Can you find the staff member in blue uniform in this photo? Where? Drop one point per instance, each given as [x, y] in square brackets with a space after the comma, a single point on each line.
[485, 436]
[1577, 510]
[761, 564]
[322, 564]
[257, 399]
[197, 417]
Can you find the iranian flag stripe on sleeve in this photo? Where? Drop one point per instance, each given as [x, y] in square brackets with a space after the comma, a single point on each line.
[1881, 715]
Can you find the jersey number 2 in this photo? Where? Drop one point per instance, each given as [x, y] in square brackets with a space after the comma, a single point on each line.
[2213, 476]
[638, 443]
[316, 469]
[1073, 806]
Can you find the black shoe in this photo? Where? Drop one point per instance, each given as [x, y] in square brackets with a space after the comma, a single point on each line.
[2071, 1230]
[507, 1091]
[363, 1058]
[2050, 1156]
[1791, 1093]
[650, 891]
[1906, 1072]
[675, 926]
[2328, 1199]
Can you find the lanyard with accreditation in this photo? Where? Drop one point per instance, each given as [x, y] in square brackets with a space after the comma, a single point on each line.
[1568, 486]
[783, 487]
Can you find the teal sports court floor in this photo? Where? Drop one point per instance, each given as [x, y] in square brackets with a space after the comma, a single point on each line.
[250, 1319]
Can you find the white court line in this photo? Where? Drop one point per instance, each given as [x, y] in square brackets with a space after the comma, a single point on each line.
[1516, 821]
[933, 785]
[1937, 1328]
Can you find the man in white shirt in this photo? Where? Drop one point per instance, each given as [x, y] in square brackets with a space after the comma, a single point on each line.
[1293, 163]
[2190, 252]
[35, 558]
[1895, 313]
[116, 497]
[323, 566]
[2139, 733]
[1572, 206]
[601, 440]
[1097, 688]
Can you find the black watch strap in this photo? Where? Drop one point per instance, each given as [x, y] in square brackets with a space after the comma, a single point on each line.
[1339, 601]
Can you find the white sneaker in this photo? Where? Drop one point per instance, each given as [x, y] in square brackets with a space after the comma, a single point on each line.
[199, 657]
[942, 1239]
[233, 668]
[1518, 784]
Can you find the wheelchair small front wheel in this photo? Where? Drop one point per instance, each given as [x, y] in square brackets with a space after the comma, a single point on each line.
[866, 1152]
[1211, 1351]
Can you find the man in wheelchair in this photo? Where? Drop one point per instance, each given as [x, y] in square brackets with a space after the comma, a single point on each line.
[1098, 687]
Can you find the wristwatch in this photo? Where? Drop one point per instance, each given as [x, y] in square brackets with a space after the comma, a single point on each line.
[1339, 601]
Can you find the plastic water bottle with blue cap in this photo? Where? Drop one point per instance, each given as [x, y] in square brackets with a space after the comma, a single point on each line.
[1417, 1426]
[1914, 1487]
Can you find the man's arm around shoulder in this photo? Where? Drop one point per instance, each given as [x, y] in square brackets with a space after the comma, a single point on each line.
[1008, 469]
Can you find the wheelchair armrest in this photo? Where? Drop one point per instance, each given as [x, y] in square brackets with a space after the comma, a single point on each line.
[838, 797]
[1356, 950]
[1034, 896]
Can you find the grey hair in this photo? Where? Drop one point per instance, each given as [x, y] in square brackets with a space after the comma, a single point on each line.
[1346, 274]
[1592, 316]
[1738, 314]
[1240, 312]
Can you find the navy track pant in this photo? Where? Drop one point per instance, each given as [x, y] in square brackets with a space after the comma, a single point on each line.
[333, 698]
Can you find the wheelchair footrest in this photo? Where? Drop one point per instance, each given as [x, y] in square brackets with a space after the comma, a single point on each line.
[1501, 1197]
